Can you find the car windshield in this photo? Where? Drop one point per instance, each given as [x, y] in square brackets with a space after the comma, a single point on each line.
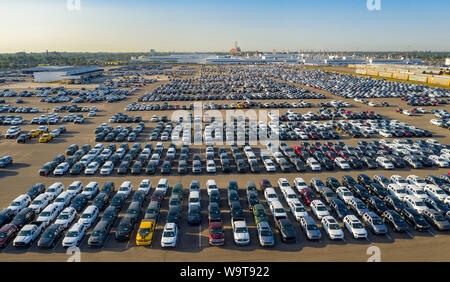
[334, 226]
[37, 202]
[45, 214]
[97, 233]
[266, 233]
[321, 208]
[63, 216]
[60, 200]
[48, 235]
[241, 230]
[25, 233]
[287, 228]
[311, 227]
[439, 217]
[124, 228]
[216, 231]
[144, 231]
[3, 235]
[377, 222]
[169, 234]
[357, 226]
[15, 204]
[299, 209]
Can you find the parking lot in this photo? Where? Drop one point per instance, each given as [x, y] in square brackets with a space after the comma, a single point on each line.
[193, 241]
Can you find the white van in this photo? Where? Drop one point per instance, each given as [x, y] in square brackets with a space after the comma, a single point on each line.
[48, 214]
[211, 185]
[63, 200]
[40, 202]
[19, 203]
[163, 185]
[415, 203]
[194, 199]
[89, 215]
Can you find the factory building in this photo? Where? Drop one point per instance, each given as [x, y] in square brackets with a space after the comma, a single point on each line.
[64, 74]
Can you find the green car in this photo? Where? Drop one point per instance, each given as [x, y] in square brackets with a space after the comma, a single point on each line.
[259, 214]
[178, 190]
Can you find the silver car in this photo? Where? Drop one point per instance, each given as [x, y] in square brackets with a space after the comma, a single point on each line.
[310, 228]
[265, 234]
[374, 222]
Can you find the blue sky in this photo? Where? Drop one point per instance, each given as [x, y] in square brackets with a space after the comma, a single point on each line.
[195, 25]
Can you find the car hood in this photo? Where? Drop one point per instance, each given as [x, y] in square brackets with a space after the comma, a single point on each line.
[239, 236]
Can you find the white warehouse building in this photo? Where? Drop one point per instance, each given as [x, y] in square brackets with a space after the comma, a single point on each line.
[66, 74]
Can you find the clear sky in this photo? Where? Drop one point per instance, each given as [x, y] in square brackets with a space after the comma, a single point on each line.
[214, 25]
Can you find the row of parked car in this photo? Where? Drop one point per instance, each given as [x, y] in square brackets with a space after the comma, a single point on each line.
[13, 109]
[362, 205]
[107, 133]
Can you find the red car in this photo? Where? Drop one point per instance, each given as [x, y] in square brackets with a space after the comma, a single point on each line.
[298, 149]
[216, 235]
[308, 195]
[7, 232]
[399, 110]
[157, 196]
[265, 183]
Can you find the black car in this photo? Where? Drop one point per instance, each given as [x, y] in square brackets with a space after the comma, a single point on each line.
[165, 167]
[47, 168]
[6, 215]
[241, 166]
[214, 212]
[226, 167]
[24, 217]
[123, 167]
[360, 191]
[125, 228]
[377, 190]
[133, 211]
[333, 183]
[110, 214]
[50, 236]
[136, 168]
[348, 181]
[194, 215]
[364, 180]
[99, 234]
[101, 201]
[76, 168]
[108, 188]
[79, 202]
[23, 138]
[174, 215]
[286, 230]
[339, 208]
[394, 203]
[138, 197]
[252, 199]
[214, 197]
[35, 190]
[254, 166]
[118, 200]
[151, 167]
[355, 163]
[395, 220]
[327, 163]
[414, 219]
[152, 211]
[236, 211]
[376, 204]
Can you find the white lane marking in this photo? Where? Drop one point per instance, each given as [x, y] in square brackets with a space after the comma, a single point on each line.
[409, 234]
[432, 233]
[388, 236]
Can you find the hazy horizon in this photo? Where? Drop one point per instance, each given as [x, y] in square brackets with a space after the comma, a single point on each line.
[119, 26]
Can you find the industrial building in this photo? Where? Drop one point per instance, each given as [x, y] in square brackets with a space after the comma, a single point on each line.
[64, 74]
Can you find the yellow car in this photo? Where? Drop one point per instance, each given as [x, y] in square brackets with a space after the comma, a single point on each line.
[239, 106]
[45, 138]
[35, 133]
[145, 233]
